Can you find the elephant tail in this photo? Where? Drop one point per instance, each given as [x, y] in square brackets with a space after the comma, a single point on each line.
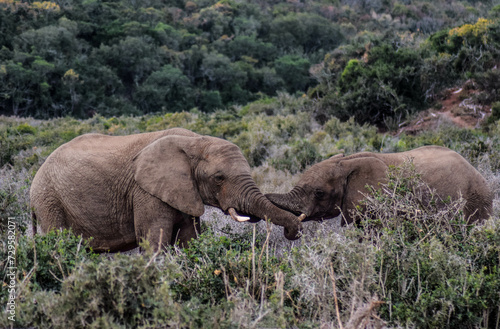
[34, 222]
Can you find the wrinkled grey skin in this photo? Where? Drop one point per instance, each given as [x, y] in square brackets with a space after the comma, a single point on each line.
[333, 186]
[152, 186]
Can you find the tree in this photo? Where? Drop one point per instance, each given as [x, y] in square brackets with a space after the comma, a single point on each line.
[210, 100]
[384, 88]
[221, 74]
[70, 80]
[17, 88]
[166, 90]
[294, 70]
[263, 52]
[101, 90]
[133, 58]
[308, 31]
[52, 43]
[168, 36]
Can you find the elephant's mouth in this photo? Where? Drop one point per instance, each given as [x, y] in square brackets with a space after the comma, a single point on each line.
[318, 218]
[303, 217]
[242, 217]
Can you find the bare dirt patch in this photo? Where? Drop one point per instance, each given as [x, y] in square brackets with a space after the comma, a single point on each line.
[456, 108]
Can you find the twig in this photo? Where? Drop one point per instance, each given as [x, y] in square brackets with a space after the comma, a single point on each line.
[55, 276]
[373, 305]
[30, 274]
[332, 275]
[60, 267]
[79, 245]
[280, 282]
[265, 247]
[260, 317]
[226, 283]
[253, 259]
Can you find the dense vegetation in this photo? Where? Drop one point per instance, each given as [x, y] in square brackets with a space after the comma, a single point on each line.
[291, 83]
[376, 60]
[425, 270]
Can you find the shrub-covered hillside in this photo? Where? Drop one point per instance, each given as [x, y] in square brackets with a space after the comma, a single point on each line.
[375, 60]
[424, 270]
[291, 83]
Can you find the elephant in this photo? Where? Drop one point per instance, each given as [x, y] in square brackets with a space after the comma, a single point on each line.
[153, 186]
[335, 186]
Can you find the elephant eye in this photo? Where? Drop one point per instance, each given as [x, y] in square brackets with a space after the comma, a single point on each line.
[219, 178]
[319, 194]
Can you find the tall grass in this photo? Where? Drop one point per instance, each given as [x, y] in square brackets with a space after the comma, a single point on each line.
[403, 266]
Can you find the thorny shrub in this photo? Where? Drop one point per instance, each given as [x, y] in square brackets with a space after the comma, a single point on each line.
[434, 269]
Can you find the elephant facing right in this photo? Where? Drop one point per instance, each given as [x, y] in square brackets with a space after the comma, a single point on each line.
[336, 185]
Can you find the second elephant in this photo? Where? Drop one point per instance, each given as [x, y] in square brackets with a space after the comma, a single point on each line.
[335, 185]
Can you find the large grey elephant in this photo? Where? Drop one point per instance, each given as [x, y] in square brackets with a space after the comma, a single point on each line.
[121, 189]
[336, 185]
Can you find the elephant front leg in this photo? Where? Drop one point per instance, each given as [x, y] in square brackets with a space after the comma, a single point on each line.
[186, 230]
[154, 221]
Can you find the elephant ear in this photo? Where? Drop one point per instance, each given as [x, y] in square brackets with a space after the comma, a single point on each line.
[163, 169]
[337, 156]
[360, 172]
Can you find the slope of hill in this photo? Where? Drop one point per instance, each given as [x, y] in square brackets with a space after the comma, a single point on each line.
[82, 58]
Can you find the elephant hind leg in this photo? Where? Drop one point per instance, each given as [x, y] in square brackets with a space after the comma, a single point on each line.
[50, 215]
[479, 205]
[477, 214]
[34, 223]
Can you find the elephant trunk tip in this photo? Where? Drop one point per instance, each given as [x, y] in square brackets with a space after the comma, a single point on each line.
[293, 234]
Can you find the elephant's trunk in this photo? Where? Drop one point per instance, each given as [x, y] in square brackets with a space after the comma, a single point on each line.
[287, 201]
[254, 203]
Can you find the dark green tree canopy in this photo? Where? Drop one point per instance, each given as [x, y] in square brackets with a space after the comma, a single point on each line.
[83, 57]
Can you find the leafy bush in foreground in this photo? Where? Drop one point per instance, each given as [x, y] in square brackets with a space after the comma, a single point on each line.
[50, 258]
[435, 270]
[177, 288]
[123, 291]
[405, 265]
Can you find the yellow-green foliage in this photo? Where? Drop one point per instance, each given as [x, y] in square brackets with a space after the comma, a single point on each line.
[473, 34]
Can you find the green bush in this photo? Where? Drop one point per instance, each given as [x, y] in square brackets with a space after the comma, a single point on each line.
[301, 155]
[216, 282]
[215, 266]
[294, 70]
[49, 259]
[334, 279]
[25, 128]
[14, 200]
[122, 291]
[386, 86]
[12, 141]
[489, 84]
[437, 271]
[495, 113]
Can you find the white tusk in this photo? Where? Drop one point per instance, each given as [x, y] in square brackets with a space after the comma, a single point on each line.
[237, 217]
[302, 217]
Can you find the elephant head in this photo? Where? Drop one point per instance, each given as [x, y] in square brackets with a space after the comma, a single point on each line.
[187, 172]
[330, 187]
